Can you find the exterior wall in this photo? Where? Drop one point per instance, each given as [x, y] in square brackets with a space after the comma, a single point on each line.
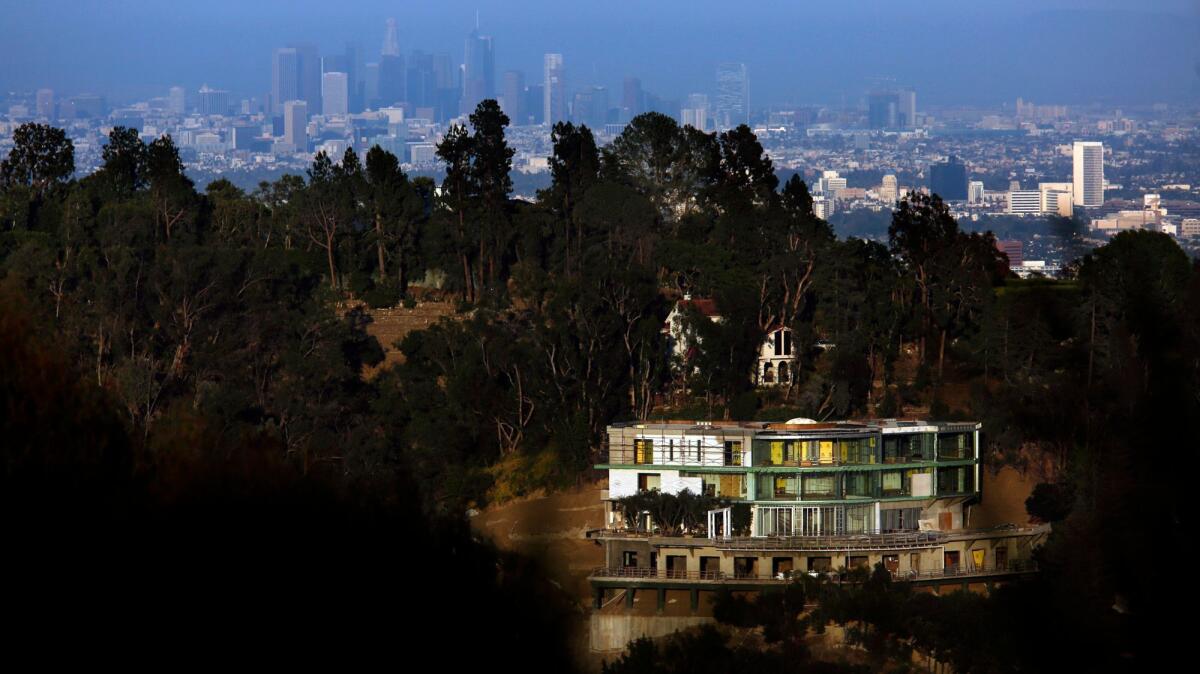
[938, 470]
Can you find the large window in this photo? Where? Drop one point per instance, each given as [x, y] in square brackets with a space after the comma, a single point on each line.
[956, 446]
[733, 453]
[724, 485]
[893, 483]
[778, 487]
[776, 452]
[857, 450]
[860, 519]
[820, 486]
[908, 447]
[643, 451]
[957, 480]
[900, 519]
[860, 484]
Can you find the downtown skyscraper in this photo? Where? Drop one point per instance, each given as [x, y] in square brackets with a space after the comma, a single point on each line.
[732, 105]
[554, 91]
[391, 40]
[479, 71]
[296, 76]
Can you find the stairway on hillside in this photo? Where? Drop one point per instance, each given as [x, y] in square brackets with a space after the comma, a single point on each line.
[390, 325]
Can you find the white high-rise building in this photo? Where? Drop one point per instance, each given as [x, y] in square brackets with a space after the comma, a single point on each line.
[889, 192]
[975, 192]
[695, 113]
[554, 90]
[177, 100]
[335, 94]
[1089, 174]
[295, 125]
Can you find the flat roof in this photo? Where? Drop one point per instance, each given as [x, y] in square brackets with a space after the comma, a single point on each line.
[846, 426]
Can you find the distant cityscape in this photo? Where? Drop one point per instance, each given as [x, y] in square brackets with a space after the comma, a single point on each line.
[1003, 169]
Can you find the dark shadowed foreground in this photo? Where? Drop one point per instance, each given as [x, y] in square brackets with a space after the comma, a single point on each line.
[115, 552]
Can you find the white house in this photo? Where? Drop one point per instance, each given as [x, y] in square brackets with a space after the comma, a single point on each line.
[775, 357]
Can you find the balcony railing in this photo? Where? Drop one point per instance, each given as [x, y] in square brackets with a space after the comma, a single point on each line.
[1015, 567]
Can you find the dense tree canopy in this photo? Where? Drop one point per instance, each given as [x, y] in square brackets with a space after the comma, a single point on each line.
[185, 333]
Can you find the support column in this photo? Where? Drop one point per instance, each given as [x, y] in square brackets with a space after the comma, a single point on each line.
[629, 597]
[695, 599]
[662, 599]
[598, 598]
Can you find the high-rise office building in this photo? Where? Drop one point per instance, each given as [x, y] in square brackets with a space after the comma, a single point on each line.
[1089, 174]
[554, 92]
[975, 192]
[295, 125]
[391, 39]
[391, 85]
[733, 96]
[309, 74]
[633, 101]
[883, 110]
[479, 71]
[534, 98]
[45, 104]
[176, 100]
[889, 192]
[906, 109]
[513, 97]
[296, 76]
[591, 107]
[335, 94]
[695, 112]
[212, 101]
[285, 78]
[948, 179]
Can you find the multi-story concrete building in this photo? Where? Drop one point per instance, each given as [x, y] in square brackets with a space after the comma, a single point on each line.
[821, 496]
[1025, 202]
[1088, 174]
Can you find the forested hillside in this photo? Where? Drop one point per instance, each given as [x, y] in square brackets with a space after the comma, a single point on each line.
[186, 361]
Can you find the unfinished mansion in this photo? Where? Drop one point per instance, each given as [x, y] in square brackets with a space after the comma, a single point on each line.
[822, 496]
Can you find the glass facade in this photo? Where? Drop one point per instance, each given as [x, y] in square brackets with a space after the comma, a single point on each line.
[807, 482]
[908, 447]
[954, 446]
[956, 480]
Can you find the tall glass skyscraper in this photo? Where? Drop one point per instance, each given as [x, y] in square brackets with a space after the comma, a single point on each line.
[733, 96]
[479, 71]
[554, 90]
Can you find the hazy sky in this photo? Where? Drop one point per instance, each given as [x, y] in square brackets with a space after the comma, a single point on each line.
[952, 51]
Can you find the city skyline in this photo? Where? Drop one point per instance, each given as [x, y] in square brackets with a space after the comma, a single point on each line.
[791, 63]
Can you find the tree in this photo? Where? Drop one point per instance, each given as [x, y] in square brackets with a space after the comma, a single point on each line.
[331, 204]
[395, 207]
[42, 157]
[673, 166]
[123, 172]
[574, 167]
[456, 149]
[172, 192]
[491, 162]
